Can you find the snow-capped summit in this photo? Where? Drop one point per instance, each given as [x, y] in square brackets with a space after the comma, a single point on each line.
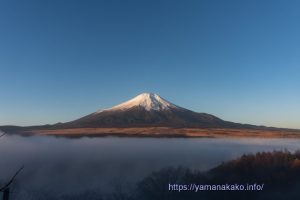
[148, 101]
[146, 110]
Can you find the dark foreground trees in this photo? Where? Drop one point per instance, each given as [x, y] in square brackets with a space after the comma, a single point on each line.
[278, 171]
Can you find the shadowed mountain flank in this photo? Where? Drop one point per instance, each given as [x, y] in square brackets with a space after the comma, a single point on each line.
[148, 114]
[148, 110]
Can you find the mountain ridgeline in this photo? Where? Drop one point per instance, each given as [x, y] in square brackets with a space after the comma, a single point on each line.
[149, 114]
[148, 110]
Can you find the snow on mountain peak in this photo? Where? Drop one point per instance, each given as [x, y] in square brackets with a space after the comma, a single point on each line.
[149, 101]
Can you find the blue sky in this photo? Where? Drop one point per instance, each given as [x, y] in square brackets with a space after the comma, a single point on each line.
[238, 60]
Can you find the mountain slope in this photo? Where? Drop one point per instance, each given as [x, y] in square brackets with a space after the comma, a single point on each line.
[147, 110]
[149, 114]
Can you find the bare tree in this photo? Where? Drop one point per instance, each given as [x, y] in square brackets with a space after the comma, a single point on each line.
[5, 189]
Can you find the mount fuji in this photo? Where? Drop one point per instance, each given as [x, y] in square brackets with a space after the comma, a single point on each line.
[147, 110]
[148, 114]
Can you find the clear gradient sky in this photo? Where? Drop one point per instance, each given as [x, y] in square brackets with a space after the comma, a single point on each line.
[238, 60]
